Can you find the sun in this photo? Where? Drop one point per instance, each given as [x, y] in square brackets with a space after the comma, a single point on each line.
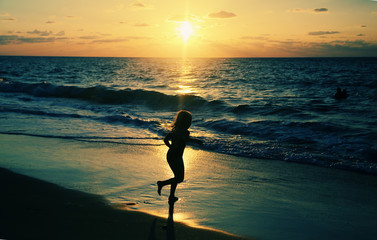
[185, 29]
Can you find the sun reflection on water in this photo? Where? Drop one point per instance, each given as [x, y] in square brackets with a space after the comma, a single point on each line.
[184, 89]
[185, 83]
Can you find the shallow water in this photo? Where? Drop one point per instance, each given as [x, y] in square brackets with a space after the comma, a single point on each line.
[257, 198]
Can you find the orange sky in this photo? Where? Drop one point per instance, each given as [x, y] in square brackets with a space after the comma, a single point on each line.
[219, 28]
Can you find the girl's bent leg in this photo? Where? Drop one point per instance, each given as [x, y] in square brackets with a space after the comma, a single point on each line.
[161, 184]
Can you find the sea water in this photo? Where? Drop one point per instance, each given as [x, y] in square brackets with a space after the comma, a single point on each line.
[282, 109]
[83, 121]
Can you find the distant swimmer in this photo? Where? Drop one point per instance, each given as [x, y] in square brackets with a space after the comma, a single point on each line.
[340, 94]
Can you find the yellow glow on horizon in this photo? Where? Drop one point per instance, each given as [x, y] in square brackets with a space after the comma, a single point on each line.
[188, 28]
[185, 29]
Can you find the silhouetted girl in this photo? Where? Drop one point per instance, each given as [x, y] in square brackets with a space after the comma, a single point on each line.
[176, 141]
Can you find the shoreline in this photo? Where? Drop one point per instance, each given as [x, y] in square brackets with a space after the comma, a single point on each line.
[320, 165]
[256, 199]
[35, 209]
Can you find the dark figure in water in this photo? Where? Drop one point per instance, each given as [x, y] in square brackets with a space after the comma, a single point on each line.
[176, 141]
[340, 94]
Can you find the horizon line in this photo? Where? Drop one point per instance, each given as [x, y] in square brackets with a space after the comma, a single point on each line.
[68, 56]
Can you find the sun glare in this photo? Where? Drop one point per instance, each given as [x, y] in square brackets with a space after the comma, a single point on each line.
[185, 30]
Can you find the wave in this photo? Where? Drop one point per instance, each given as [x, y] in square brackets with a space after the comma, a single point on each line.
[105, 95]
[39, 112]
[283, 131]
[275, 150]
[100, 139]
[294, 132]
[124, 119]
[269, 110]
[264, 139]
[151, 99]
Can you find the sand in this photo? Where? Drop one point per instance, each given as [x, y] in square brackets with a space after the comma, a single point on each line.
[34, 209]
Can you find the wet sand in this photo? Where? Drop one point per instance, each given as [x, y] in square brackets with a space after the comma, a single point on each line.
[34, 209]
[271, 200]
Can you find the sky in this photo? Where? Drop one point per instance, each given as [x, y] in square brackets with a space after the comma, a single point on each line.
[196, 28]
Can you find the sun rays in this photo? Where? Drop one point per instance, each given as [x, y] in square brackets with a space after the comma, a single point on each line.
[185, 30]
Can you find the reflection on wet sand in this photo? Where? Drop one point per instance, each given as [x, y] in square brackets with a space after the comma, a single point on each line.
[170, 235]
[169, 227]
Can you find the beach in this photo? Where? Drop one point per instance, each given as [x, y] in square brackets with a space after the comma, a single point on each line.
[260, 199]
[34, 209]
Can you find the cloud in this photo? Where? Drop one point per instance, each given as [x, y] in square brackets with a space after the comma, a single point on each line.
[318, 33]
[61, 33]
[14, 39]
[141, 25]
[263, 47]
[44, 37]
[139, 5]
[8, 19]
[296, 10]
[72, 17]
[40, 33]
[357, 46]
[321, 10]
[45, 33]
[116, 40]
[262, 38]
[88, 37]
[316, 10]
[36, 40]
[110, 40]
[222, 14]
[7, 39]
[336, 48]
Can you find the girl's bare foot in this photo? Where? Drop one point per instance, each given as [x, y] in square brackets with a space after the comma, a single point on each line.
[172, 200]
[159, 187]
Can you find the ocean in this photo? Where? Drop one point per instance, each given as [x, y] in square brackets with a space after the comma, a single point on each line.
[281, 109]
[258, 111]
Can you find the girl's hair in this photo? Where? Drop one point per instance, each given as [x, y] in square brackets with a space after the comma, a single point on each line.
[182, 120]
